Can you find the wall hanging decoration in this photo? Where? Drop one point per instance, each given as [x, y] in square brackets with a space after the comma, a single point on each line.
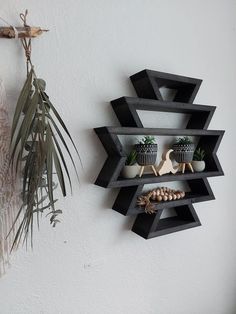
[147, 84]
[38, 144]
[9, 195]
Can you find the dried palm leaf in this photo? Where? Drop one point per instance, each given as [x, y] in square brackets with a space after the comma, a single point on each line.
[37, 145]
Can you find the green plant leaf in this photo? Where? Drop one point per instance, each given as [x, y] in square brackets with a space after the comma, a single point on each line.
[35, 146]
[62, 123]
[64, 143]
[49, 165]
[21, 101]
[58, 169]
[62, 157]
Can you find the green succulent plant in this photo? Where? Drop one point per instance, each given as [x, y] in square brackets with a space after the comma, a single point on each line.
[199, 154]
[131, 159]
[184, 140]
[147, 140]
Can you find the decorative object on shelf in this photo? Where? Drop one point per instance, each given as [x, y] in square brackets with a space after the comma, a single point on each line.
[131, 168]
[183, 152]
[162, 194]
[147, 84]
[165, 165]
[146, 153]
[198, 162]
[37, 145]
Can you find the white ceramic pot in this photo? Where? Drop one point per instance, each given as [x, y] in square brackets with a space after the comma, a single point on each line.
[130, 172]
[198, 166]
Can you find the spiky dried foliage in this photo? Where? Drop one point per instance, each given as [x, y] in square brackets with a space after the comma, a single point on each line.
[37, 145]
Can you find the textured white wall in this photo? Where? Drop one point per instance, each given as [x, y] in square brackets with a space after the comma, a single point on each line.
[92, 263]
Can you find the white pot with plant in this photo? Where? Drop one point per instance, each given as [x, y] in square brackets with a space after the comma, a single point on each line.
[131, 168]
[198, 162]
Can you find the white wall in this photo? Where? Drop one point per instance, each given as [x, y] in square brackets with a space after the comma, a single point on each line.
[92, 263]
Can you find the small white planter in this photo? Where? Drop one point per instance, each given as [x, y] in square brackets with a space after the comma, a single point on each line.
[198, 166]
[130, 172]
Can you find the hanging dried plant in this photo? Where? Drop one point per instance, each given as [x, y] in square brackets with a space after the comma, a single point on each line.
[37, 146]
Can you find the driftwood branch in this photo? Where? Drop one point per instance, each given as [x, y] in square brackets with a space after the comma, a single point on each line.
[23, 32]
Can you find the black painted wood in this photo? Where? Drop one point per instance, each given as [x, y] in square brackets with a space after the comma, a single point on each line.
[150, 226]
[157, 131]
[126, 111]
[150, 178]
[126, 201]
[110, 173]
[147, 84]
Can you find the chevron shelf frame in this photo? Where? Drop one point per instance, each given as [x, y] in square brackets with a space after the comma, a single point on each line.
[147, 84]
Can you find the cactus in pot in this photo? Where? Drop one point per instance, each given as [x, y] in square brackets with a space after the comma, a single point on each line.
[183, 150]
[131, 168]
[198, 162]
[146, 151]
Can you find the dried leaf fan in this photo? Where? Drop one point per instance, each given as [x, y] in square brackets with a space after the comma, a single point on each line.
[37, 151]
[9, 195]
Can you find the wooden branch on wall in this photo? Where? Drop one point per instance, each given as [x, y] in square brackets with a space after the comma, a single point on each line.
[23, 32]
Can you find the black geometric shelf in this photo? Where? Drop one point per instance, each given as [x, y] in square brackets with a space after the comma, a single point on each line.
[150, 226]
[109, 175]
[147, 84]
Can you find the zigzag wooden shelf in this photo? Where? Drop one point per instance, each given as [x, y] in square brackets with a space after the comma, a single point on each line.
[125, 202]
[147, 84]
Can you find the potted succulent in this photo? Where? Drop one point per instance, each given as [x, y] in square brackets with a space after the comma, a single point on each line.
[198, 163]
[146, 151]
[183, 150]
[131, 168]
